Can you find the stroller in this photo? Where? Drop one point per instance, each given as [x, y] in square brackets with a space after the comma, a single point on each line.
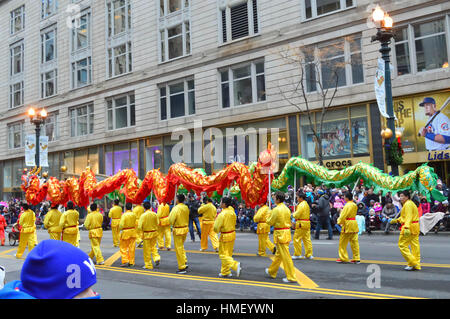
[13, 235]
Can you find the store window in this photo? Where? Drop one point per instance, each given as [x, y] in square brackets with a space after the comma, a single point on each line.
[69, 161]
[360, 130]
[7, 174]
[153, 154]
[121, 156]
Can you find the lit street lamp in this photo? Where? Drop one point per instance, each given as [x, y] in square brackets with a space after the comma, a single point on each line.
[384, 34]
[37, 118]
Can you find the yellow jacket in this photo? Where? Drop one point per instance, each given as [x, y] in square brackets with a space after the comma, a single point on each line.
[163, 215]
[138, 210]
[27, 221]
[93, 223]
[148, 224]
[69, 222]
[347, 218]
[128, 225]
[179, 219]
[226, 224]
[51, 221]
[301, 216]
[280, 219]
[261, 218]
[209, 213]
[115, 213]
[409, 217]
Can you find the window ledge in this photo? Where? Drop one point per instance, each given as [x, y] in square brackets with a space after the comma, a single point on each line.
[240, 106]
[177, 118]
[118, 76]
[240, 39]
[327, 14]
[338, 88]
[175, 59]
[119, 131]
[411, 75]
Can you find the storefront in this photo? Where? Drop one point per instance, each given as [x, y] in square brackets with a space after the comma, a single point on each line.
[411, 118]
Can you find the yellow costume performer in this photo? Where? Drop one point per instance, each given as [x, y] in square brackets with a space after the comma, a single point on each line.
[349, 232]
[226, 224]
[280, 218]
[138, 210]
[263, 231]
[409, 234]
[209, 213]
[302, 230]
[128, 236]
[115, 213]
[164, 236]
[93, 223]
[28, 231]
[69, 225]
[148, 225]
[51, 223]
[179, 219]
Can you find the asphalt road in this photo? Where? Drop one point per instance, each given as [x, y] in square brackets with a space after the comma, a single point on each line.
[380, 274]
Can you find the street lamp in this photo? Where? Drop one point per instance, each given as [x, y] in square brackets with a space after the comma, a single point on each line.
[37, 117]
[384, 34]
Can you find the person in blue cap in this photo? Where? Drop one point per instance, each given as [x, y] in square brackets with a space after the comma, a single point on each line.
[54, 270]
[437, 133]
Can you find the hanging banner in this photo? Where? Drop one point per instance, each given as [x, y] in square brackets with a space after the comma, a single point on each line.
[43, 151]
[30, 150]
[380, 90]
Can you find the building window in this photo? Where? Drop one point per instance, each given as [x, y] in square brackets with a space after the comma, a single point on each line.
[316, 8]
[338, 63]
[49, 84]
[48, 46]
[48, 8]
[243, 84]
[16, 94]
[17, 20]
[81, 32]
[177, 99]
[81, 73]
[120, 60]
[15, 135]
[82, 120]
[51, 128]
[16, 56]
[121, 112]
[239, 21]
[422, 46]
[119, 17]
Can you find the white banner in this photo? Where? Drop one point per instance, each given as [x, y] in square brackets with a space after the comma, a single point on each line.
[30, 150]
[43, 151]
[380, 90]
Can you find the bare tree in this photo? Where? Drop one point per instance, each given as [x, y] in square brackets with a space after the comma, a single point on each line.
[312, 65]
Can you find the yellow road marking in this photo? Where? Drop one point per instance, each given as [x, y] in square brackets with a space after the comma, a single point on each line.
[111, 260]
[333, 292]
[303, 280]
[383, 262]
[7, 251]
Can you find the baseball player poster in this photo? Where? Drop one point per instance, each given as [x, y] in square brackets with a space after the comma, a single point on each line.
[432, 114]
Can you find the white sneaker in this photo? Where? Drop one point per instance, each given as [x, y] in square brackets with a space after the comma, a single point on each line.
[297, 257]
[267, 273]
[225, 276]
[310, 257]
[287, 280]
[202, 249]
[238, 270]
[409, 268]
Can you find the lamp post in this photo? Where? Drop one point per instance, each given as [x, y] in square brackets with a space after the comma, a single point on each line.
[384, 34]
[37, 118]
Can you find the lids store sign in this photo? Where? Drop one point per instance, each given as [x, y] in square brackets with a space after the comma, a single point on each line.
[439, 155]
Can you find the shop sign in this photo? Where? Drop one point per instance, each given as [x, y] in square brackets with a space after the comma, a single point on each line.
[338, 164]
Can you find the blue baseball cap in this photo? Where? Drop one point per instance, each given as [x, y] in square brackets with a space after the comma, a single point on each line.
[56, 270]
[428, 100]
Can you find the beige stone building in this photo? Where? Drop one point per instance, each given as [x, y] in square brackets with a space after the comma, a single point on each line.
[117, 76]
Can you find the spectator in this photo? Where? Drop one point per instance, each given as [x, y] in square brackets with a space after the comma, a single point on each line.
[426, 207]
[193, 205]
[387, 214]
[324, 215]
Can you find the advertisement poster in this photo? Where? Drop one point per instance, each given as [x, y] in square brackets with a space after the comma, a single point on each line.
[43, 151]
[30, 150]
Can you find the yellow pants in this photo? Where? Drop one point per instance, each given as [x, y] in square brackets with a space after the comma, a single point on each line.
[225, 255]
[304, 235]
[263, 243]
[139, 235]
[77, 244]
[95, 250]
[26, 239]
[344, 239]
[71, 239]
[282, 255]
[127, 250]
[207, 230]
[115, 235]
[178, 241]
[55, 236]
[164, 237]
[149, 250]
[411, 256]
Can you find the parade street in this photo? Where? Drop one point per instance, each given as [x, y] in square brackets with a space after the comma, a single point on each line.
[380, 274]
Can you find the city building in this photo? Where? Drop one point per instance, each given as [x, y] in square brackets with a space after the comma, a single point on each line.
[117, 77]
